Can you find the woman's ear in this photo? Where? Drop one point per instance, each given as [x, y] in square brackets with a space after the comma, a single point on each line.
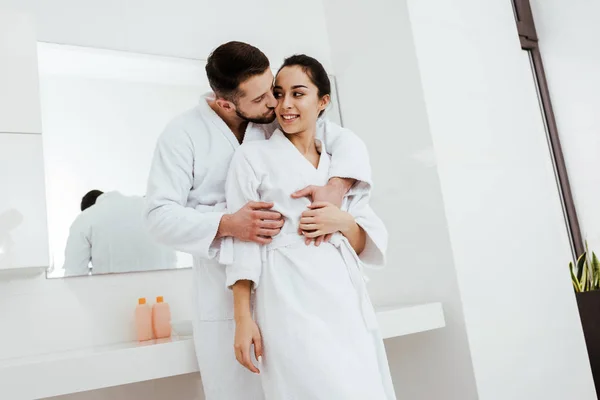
[324, 102]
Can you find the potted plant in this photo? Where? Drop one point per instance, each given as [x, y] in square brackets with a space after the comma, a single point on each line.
[585, 275]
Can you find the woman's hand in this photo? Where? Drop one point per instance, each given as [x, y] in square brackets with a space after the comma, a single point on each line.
[246, 334]
[323, 219]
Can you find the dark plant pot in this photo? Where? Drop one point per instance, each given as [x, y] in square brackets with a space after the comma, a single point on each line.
[589, 312]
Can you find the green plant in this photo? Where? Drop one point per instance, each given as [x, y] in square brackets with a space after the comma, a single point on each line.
[585, 274]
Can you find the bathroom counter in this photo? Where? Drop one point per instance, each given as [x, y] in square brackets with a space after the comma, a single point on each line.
[99, 367]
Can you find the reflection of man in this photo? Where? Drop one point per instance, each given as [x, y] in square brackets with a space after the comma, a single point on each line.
[186, 199]
[110, 233]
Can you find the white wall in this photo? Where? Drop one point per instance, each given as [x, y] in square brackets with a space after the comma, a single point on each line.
[182, 28]
[382, 100]
[569, 35]
[48, 316]
[510, 245]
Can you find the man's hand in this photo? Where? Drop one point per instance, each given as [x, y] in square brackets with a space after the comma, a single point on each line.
[252, 223]
[333, 192]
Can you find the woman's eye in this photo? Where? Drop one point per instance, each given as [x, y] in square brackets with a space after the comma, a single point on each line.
[298, 94]
[277, 95]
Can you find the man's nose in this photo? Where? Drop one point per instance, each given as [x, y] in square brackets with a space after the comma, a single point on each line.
[271, 100]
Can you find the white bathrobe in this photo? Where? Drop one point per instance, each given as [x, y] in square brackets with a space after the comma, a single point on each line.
[186, 200]
[112, 235]
[319, 329]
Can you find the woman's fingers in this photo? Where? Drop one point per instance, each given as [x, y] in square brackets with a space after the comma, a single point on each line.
[319, 240]
[247, 362]
[313, 234]
[308, 220]
[309, 227]
[258, 351]
[242, 355]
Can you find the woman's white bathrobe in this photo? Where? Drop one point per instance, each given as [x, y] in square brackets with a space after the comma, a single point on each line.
[319, 329]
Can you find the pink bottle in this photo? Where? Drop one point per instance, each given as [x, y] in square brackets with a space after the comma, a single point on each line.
[143, 320]
[161, 319]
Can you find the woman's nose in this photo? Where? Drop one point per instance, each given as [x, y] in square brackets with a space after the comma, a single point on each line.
[286, 102]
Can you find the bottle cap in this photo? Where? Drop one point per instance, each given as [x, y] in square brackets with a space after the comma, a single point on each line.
[142, 300]
[159, 299]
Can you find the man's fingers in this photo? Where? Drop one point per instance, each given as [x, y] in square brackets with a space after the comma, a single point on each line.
[268, 232]
[269, 224]
[307, 191]
[260, 205]
[268, 215]
[319, 241]
[261, 240]
[327, 237]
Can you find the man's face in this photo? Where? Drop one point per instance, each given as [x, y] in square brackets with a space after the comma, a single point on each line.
[257, 103]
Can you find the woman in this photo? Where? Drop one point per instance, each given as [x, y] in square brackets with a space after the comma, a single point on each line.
[315, 334]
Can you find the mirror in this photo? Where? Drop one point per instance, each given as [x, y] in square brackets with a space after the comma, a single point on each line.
[102, 113]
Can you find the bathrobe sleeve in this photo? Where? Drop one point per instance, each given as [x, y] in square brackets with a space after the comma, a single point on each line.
[377, 236]
[171, 178]
[78, 251]
[242, 187]
[349, 154]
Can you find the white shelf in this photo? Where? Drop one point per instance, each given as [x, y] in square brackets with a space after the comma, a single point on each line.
[20, 272]
[95, 368]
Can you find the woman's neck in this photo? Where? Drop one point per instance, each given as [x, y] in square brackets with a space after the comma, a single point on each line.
[304, 141]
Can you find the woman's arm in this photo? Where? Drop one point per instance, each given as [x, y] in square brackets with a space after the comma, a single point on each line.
[355, 234]
[243, 273]
[246, 330]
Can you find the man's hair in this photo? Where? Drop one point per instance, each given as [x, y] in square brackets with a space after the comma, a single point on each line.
[231, 64]
[90, 199]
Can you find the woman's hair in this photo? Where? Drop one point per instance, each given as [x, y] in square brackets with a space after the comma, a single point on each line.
[315, 71]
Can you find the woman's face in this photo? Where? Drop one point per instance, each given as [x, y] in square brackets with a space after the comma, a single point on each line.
[298, 102]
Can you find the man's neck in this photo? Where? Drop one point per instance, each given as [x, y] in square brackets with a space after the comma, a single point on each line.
[236, 124]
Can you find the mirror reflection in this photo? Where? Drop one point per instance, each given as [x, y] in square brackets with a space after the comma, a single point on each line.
[102, 113]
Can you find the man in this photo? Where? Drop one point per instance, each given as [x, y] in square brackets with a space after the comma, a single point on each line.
[186, 198]
[111, 234]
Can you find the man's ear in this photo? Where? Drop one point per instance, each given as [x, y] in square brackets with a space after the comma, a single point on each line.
[225, 104]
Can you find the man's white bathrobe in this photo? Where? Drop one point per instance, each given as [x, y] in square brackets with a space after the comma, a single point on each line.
[319, 329]
[186, 200]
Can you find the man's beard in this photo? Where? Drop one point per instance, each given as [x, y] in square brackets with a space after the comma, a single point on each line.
[257, 120]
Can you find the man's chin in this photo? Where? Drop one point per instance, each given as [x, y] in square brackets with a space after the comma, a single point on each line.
[264, 120]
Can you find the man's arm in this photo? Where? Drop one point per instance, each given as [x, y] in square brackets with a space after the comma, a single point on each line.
[196, 231]
[171, 178]
[349, 156]
[78, 251]
[350, 166]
